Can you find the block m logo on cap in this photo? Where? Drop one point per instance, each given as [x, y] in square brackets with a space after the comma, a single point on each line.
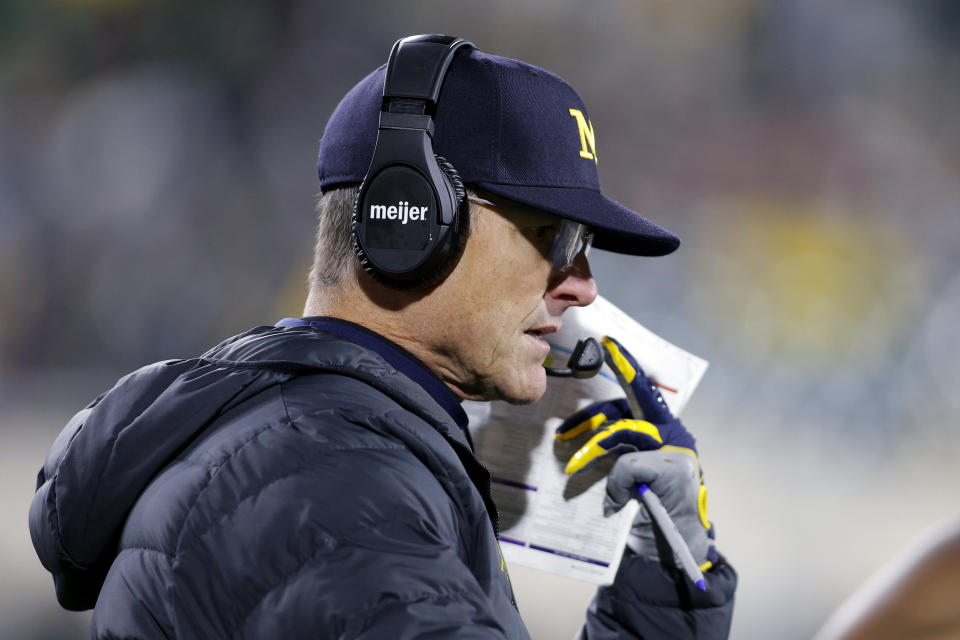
[586, 136]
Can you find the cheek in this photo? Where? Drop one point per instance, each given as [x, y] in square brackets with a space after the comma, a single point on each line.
[522, 274]
[520, 294]
[506, 278]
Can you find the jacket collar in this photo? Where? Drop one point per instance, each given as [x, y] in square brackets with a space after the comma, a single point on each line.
[304, 347]
[398, 357]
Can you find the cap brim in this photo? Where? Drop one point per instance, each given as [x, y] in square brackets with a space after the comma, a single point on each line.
[615, 227]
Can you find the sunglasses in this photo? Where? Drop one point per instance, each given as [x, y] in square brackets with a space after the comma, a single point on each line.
[571, 239]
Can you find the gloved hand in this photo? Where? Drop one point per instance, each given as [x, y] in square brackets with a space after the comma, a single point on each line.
[655, 449]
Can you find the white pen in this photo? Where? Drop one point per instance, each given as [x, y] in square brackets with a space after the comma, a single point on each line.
[659, 513]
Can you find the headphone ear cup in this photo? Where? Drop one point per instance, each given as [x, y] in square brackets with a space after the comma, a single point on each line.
[453, 244]
[358, 251]
[459, 190]
[444, 252]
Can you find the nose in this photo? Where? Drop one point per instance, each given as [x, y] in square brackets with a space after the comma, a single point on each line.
[573, 287]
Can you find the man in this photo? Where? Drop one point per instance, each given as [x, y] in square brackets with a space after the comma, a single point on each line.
[316, 478]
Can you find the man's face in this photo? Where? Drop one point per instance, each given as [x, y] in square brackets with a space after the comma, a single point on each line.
[500, 301]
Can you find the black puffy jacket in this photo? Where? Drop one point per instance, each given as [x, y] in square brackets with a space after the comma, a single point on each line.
[290, 483]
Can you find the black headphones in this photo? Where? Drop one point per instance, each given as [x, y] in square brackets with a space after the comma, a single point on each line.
[410, 219]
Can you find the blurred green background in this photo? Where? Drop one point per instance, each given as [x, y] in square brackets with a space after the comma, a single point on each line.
[157, 172]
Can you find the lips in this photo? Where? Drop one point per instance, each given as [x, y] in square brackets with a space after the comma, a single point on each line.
[539, 332]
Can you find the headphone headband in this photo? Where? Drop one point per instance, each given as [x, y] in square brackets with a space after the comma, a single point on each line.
[418, 65]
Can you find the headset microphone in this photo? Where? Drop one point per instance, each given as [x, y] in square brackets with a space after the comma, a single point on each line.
[584, 362]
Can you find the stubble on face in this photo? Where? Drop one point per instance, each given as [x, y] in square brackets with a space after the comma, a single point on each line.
[496, 295]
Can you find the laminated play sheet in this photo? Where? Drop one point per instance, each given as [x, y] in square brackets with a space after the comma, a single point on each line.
[551, 521]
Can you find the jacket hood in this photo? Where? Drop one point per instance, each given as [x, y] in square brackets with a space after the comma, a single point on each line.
[110, 451]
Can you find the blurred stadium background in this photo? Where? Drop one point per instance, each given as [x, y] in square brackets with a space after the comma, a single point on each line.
[156, 184]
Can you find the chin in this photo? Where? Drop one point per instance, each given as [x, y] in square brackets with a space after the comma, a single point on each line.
[529, 388]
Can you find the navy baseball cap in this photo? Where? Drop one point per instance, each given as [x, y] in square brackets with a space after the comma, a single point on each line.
[510, 129]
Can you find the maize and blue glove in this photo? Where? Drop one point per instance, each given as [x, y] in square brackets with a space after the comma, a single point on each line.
[654, 449]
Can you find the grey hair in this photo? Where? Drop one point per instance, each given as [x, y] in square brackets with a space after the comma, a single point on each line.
[333, 256]
[334, 259]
